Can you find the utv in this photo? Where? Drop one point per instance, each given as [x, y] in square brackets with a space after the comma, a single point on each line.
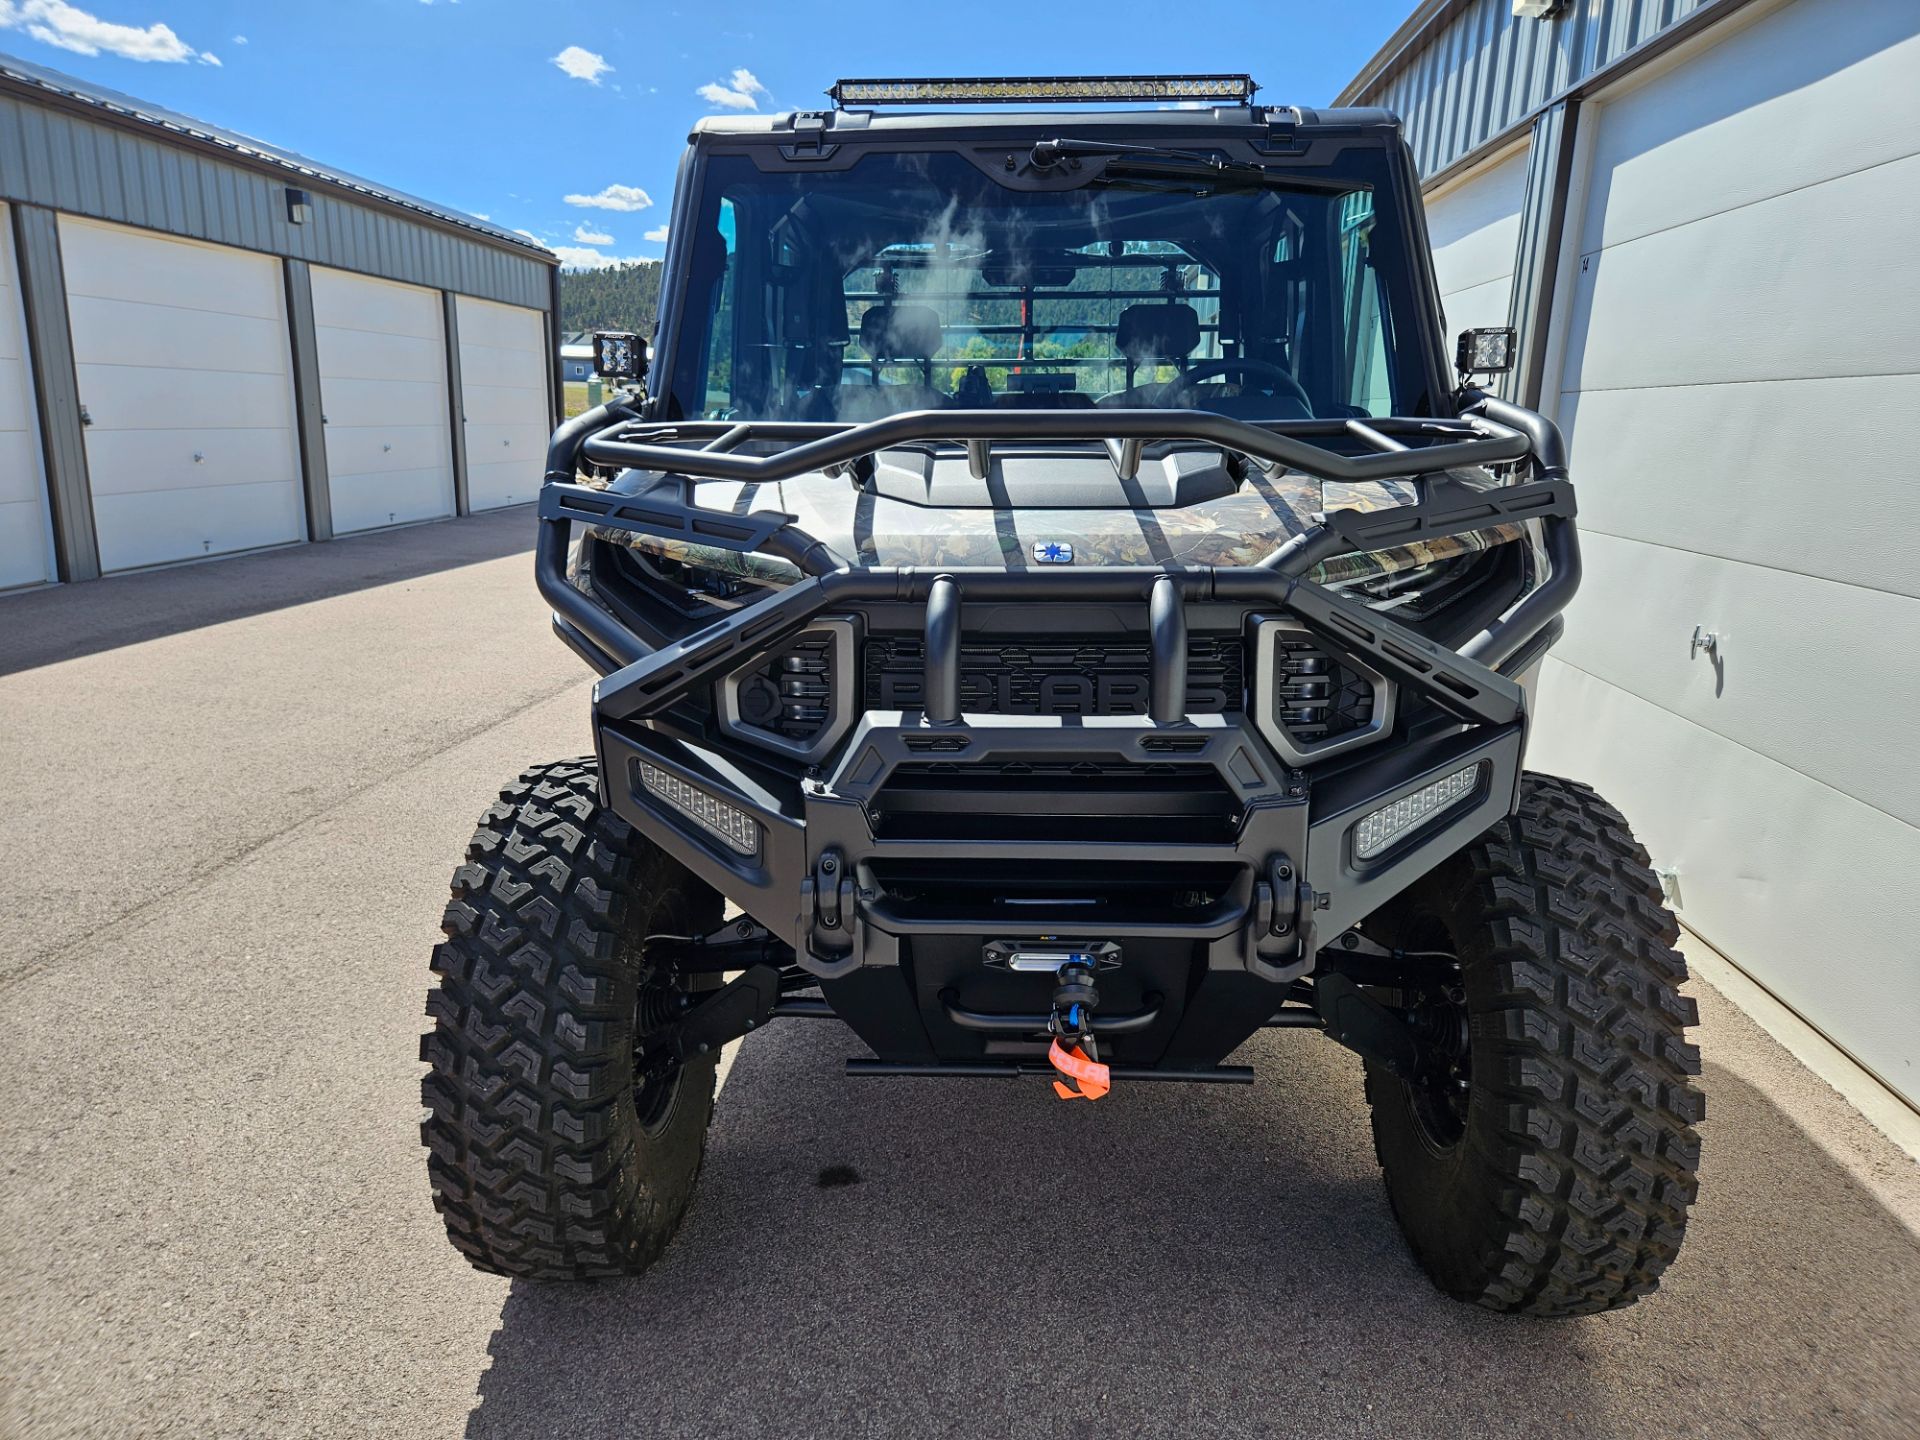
[1058, 615]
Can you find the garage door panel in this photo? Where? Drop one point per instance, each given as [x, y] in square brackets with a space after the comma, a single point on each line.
[359, 302]
[126, 397]
[118, 263]
[366, 355]
[376, 449]
[23, 543]
[383, 390]
[1475, 226]
[382, 404]
[1761, 482]
[483, 365]
[391, 497]
[501, 482]
[1805, 677]
[181, 348]
[1773, 867]
[25, 534]
[168, 337]
[502, 405]
[1817, 88]
[21, 482]
[1482, 305]
[525, 444]
[154, 527]
[126, 462]
[1807, 284]
[503, 382]
[484, 323]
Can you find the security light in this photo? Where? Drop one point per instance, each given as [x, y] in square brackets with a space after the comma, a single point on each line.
[299, 207]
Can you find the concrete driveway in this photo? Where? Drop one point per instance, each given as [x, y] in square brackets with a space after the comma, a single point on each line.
[236, 792]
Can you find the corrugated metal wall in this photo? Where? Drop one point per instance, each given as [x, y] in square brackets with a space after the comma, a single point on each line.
[67, 162]
[1479, 70]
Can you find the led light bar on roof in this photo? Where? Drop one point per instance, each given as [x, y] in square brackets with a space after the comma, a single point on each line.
[1058, 90]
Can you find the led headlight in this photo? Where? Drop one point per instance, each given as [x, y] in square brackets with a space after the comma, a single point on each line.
[1379, 830]
[732, 824]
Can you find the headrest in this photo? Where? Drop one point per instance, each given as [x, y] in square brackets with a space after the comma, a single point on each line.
[1157, 332]
[901, 332]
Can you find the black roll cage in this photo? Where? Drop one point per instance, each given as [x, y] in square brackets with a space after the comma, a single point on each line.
[1471, 683]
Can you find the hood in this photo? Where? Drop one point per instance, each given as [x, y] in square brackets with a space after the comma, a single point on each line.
[1182, 506]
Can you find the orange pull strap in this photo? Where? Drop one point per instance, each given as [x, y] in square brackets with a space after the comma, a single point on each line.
[1092, 1079]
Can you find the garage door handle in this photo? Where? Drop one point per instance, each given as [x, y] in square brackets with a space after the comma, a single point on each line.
[85, 418]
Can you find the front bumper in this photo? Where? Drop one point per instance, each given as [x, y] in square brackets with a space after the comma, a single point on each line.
[1209, 932]
[922, 846]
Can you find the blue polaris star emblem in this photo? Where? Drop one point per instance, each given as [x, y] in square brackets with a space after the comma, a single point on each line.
[1053, 552]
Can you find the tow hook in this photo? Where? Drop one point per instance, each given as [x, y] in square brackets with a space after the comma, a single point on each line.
[1071, 1020]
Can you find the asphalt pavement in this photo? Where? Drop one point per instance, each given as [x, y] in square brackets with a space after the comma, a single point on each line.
[236, 791]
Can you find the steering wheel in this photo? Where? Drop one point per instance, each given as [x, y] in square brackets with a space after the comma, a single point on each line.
[1279, 381]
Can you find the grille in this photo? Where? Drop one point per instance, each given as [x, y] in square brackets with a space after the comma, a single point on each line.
[1049, 676]
[1316, 697]
[791, 695]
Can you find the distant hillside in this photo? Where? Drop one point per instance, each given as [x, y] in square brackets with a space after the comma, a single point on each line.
[621, 297]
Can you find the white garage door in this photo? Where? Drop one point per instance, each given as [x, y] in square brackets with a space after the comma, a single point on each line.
[26, 541]
[383, 390]
[503, 384]
[1741, 385]
[181, 352]
[1474, 225]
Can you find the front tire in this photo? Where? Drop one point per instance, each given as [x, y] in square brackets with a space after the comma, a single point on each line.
[546, 1156]
[1549, 1171]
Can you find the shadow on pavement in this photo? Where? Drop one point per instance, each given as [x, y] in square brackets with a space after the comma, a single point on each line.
[62, 622]
[1180, 1261]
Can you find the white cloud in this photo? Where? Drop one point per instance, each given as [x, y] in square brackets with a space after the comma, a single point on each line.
[68, 27]
[591, 237]
[739, 91]
[239, 39]
[627, 198]
[481, 215]
[207, 57]
[577, 257]
[582, 64]
[658, 235]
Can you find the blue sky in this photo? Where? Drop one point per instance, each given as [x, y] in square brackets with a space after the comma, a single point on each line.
[566, 120]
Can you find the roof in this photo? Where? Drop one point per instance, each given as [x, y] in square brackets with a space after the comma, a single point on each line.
[123, 109]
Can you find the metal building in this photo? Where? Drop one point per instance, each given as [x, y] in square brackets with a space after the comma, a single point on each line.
[1701, 215]
[209, 345]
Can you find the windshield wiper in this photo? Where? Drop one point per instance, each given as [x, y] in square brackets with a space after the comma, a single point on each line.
[1049, 153]
[1149, 161]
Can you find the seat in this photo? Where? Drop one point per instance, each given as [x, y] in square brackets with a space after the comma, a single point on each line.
[895, 334]
[1148, 335]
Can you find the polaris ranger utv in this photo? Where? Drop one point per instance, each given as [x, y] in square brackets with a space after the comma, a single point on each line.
[1051, 585]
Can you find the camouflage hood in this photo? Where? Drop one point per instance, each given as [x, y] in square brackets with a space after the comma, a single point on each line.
[1181, 508]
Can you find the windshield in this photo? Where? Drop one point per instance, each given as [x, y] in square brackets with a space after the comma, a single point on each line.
[917, 281]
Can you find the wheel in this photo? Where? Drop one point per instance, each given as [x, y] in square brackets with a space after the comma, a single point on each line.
[550, 1151]
[1545, 1164]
